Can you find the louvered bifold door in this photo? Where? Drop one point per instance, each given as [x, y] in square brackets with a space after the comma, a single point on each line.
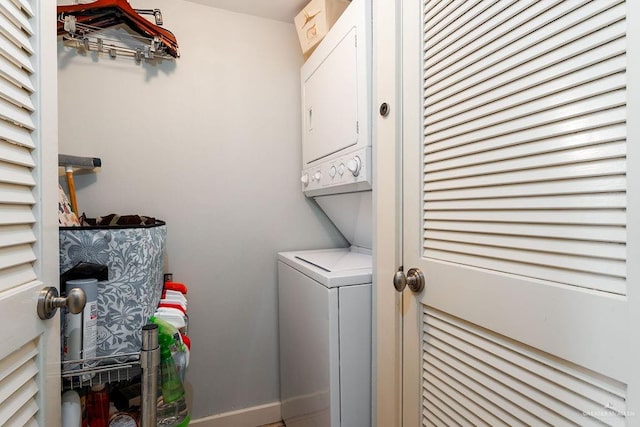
[520, 226]
[524, 138]
[19, 352]
[474, 377]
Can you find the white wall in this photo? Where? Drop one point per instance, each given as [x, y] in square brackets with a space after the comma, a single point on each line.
[209, 143]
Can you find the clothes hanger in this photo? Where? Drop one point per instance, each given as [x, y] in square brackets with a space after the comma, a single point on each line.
[107, 13]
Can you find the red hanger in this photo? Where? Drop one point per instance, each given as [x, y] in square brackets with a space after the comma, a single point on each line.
[107, 13]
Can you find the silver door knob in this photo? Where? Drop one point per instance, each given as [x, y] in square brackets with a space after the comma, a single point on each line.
[49, 301]
[414, 279]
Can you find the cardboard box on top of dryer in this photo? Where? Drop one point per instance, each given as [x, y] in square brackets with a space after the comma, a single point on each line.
[315, 20]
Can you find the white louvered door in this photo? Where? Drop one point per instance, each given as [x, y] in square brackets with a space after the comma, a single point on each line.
[520, 132]
[29, 353]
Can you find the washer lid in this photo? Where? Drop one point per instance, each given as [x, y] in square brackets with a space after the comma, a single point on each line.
[332, 267]
[331, 261]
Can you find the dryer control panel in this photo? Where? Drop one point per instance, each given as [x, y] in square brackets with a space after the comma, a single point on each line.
[347, 173]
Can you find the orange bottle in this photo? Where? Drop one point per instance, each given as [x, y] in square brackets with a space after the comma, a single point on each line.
[98, 406]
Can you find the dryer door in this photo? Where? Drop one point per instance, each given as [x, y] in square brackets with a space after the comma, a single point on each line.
[330, 101]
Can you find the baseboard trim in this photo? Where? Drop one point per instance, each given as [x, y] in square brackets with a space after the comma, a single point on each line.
[247, 417]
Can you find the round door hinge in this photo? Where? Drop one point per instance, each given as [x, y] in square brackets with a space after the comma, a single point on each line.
[414, 279]
[384, 109]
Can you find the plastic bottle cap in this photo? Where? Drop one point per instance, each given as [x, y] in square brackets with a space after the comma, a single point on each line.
[97, 387]
[176, 286]
[186, 340]
[81, 282]
[122, 420]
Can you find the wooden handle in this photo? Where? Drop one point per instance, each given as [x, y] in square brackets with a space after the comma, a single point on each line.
[72, 191]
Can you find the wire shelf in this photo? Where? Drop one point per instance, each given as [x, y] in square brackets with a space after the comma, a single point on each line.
[100, 370]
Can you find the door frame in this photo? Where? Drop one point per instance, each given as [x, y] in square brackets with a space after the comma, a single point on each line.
[387, 215]
[47, 265]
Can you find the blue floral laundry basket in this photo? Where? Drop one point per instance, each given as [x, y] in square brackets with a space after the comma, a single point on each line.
[134, 256]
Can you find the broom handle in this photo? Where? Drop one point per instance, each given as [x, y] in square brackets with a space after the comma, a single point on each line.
[72, 190]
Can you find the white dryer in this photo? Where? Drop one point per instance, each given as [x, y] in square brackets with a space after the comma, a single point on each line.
[325, 337]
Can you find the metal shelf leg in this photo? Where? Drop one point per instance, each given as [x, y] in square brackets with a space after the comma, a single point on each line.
[150, 363]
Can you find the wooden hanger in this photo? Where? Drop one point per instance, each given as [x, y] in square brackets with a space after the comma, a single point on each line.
[107, 13]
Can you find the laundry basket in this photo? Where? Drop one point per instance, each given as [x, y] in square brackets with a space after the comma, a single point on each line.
[134, 256]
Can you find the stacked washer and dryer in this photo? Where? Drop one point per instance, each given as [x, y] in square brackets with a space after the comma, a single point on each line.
[325, 295]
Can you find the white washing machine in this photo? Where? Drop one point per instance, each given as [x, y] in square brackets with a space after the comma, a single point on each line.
[325, 337]
[325, 295]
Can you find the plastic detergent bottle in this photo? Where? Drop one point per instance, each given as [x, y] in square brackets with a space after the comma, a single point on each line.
[71, 409]
[172, 406]
[98, 406]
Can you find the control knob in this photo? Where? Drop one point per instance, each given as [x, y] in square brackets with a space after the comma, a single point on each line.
[333, 171]
[304, 179]
[317, 176]
[354, 165]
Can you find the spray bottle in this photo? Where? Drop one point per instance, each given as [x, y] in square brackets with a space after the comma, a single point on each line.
[172, 406]
[81, 330]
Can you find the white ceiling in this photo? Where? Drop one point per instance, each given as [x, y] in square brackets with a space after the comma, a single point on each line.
[280, 10]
